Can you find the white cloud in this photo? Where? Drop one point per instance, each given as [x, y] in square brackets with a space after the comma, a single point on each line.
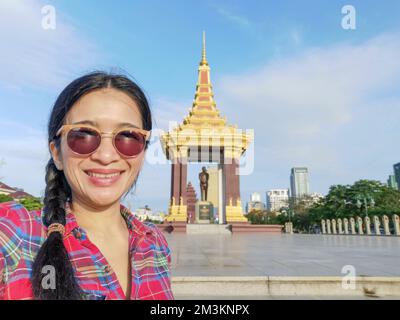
[233, 17]
[296, 36]
[166, 111]
[25, 154]
[310, 109]
[31, 56]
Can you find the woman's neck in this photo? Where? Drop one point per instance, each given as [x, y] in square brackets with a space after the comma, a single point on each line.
[107, 219]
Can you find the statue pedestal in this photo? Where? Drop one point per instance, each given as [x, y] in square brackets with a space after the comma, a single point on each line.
[235, 214]
[177, 214]
[204, 212]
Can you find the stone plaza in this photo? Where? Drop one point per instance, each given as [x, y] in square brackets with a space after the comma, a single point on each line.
[259, 257]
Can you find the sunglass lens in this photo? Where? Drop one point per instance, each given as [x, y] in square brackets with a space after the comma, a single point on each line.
[83, 140]
[129, 143]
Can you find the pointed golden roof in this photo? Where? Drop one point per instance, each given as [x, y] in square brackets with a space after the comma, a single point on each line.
[204, 120]
[204, 111]
[203, 52]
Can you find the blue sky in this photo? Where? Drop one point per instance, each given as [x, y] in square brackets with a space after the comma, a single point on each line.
[315, 95]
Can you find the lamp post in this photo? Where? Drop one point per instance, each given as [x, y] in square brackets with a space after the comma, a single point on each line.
[366, 201]
[286, 212]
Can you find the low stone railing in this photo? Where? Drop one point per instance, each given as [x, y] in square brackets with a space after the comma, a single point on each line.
[362, 226]
[288, 227]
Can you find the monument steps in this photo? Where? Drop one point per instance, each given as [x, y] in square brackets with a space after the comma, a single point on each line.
[198, 228]
[206, 228]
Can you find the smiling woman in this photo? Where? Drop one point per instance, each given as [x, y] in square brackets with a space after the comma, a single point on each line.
[85, 244]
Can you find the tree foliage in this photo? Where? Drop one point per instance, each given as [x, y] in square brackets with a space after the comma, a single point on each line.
[32, 203]
[5, 198]
[341, 201]
[265, 217]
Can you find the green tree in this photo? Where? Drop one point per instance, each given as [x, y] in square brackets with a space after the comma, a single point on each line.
[341, 202]
[265, 217]
[386, 200]
[256, 217]
[32, 203]
[5, 198]
[299, 210]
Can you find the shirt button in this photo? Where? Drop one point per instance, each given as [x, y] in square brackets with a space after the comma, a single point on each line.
[78, 234]
[107, 269]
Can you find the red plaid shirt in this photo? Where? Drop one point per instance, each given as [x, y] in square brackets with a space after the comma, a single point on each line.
[23, 232]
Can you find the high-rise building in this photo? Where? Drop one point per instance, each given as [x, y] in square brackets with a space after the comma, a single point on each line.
[299, 182]
[255, 196]
[255, 203]
[396, 168]
[391, 182]
[277, 199]
[316, 196]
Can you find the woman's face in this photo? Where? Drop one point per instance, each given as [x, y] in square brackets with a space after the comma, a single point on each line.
[107, 109]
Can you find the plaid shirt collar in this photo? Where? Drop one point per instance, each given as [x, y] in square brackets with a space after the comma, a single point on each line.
[71, 225]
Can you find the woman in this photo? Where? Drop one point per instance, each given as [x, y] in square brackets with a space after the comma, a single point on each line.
[85, 244]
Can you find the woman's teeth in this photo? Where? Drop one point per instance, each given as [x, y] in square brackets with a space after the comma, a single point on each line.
[103, 176]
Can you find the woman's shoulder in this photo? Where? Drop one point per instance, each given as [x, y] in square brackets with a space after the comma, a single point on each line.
[146, 227]
[16, 212]
[12, 213]
[153, 234]
[157, 233]
[17, 221]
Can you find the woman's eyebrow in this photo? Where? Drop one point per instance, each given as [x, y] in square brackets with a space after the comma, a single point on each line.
[95, 124]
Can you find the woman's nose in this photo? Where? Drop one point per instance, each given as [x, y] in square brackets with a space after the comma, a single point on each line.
[106, 152]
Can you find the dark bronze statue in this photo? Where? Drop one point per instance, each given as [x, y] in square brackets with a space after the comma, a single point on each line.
[203, 176]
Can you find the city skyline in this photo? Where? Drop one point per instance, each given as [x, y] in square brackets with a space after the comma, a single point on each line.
[310, 90]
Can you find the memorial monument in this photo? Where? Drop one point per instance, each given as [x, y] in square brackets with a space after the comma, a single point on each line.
[205, 136]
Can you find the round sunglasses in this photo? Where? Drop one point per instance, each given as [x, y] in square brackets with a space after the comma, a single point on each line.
[85, 139]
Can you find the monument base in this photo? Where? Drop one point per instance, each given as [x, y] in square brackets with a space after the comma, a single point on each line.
[235, 214]
[204, 212]
[177, 214]
[236, 227]
[208, 229]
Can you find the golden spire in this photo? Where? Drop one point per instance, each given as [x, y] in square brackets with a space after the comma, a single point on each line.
[203, 56]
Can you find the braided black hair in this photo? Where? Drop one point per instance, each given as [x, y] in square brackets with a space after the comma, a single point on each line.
[53, 252]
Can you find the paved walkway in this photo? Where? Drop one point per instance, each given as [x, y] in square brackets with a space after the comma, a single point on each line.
[261, 254]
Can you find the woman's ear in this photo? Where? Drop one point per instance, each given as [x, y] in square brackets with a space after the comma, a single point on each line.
[55, 155]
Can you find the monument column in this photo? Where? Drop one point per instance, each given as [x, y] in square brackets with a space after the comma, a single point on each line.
[233, 204]
[228, 182]
[178, 205]
[221, 206]
[183, 183]
[232, 181]
[236, 181]
[175, 181]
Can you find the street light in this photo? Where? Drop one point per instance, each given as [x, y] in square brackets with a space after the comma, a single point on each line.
[362, 201]
[366, 199]
[287, 213]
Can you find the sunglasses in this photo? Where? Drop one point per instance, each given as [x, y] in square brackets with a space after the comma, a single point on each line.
[85, 139]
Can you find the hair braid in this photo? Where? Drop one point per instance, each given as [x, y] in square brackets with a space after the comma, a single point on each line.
[53, 252]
